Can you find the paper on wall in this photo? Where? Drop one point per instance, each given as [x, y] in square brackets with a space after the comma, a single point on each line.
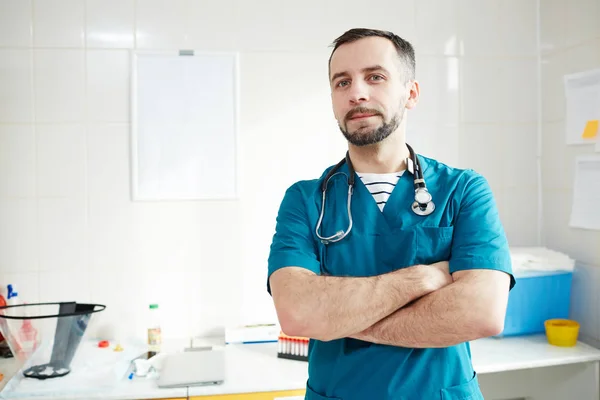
[598, 140]
[582, 91]
[585, 211]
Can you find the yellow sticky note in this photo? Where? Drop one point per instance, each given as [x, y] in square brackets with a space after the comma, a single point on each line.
[591, 130]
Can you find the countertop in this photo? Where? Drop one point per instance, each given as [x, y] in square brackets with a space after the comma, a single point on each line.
[256, 368]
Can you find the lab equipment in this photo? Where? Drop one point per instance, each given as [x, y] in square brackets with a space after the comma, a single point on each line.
[193, 368]
[562, 332]
[48, 335]
[540, 259]
[422, 205]
[292, 347]
[257, 333]
[537, 297]
[147, 364]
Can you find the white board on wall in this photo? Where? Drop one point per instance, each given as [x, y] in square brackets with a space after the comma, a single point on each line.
[184, 125]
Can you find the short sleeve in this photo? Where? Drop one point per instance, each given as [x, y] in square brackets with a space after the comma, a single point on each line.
[293, 243]
[479, 240]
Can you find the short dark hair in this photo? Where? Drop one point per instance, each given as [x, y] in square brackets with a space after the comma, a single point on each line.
[405, 50]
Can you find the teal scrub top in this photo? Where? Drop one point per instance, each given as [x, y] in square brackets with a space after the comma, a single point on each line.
[464, 229]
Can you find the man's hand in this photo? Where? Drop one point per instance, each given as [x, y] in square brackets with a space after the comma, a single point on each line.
[473, 306]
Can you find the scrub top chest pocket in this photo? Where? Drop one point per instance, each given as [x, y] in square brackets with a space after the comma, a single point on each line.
[370, 253]
[434, 243]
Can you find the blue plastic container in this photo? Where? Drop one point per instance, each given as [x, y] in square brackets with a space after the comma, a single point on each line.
[536, 297]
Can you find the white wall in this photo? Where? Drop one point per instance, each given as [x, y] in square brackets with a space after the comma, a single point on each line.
[68, 229]
[570, 42]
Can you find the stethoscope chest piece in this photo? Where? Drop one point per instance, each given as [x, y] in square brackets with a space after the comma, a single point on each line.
[423, 204]
[423, 211]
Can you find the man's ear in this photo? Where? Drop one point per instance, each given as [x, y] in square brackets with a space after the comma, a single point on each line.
[413, 96]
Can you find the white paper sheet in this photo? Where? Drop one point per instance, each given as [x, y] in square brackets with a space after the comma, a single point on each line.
[582, 91]
[184, 129]
[585, 212]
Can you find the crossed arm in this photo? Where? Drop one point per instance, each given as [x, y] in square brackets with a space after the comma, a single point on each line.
[471, 307]
[419, 306]
[411, 307]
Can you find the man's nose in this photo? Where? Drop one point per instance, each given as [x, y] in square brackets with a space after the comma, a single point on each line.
[359, 93]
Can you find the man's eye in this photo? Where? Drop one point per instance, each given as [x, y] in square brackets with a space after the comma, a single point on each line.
[343, 83]
[376, 77]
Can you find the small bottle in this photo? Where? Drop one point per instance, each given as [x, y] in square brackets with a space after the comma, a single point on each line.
[154, 332]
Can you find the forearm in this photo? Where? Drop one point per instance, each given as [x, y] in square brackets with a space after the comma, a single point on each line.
[462, 311]
[328, 307]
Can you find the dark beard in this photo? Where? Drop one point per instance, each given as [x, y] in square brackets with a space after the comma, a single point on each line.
[376, 136]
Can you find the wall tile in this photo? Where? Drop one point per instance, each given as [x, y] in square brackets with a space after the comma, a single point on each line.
[109, 23]
[557, 204]
[581, 21]
[15, 23]
[59, 85]
[438, 79]
[585, 299]
[17, 161]
[108, 171]
[438, 141]
[111, 214]
[108, 85]
[437, 27]
[58, 286]
[120, 291]
[520, 217]
[553, 69]
[282, 26]
[18, 241]
[552, 25]
[16, 102]
[62, 238]
[498, 28]
[498, 90]
[583, 57]
[207, 20]
[58, 23]
[159, 24]
[61, 168]
[490, 164]
[520, 164]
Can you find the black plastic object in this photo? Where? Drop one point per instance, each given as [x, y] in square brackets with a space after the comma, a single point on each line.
[72, 320]
[292, 357]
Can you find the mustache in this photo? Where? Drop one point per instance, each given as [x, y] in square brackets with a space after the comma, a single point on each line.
[361, 110]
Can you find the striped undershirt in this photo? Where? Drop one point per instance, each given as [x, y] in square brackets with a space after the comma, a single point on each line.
[380, 185]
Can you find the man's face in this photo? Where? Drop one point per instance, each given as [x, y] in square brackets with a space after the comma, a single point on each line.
[369, 89]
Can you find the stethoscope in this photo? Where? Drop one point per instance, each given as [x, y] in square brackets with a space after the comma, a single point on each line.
[423, 204]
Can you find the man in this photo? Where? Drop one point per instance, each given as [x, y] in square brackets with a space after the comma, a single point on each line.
[391, 303]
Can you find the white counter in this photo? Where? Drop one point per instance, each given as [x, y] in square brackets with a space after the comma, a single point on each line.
[256, 368]
[517, 353]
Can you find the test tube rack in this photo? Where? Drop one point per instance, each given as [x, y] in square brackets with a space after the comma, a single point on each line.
[292, 347]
